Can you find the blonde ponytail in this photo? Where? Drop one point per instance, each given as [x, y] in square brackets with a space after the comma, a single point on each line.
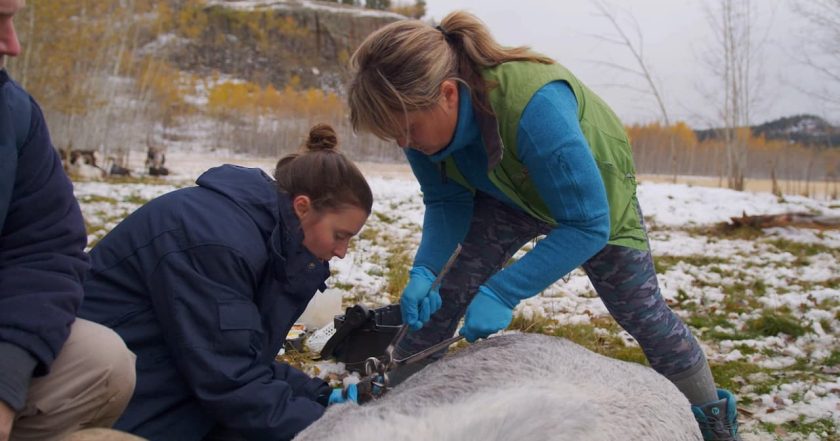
[400, 67]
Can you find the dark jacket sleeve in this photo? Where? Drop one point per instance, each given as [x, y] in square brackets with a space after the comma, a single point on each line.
[202, 298]
[42, 257]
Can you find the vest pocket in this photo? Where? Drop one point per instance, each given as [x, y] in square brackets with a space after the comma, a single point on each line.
[625, 225]
[241, 324]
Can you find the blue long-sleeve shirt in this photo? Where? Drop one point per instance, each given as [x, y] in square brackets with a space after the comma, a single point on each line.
[552, 147]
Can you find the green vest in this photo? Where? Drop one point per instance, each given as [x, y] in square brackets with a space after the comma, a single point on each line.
[512, 85]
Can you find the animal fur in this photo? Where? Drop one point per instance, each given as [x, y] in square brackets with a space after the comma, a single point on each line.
[82, 164]
[519, 387]
[155, 158]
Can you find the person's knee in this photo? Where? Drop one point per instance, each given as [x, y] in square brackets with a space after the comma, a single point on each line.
[118, 362]
[106, 355]
[89, 385]
[99, 434]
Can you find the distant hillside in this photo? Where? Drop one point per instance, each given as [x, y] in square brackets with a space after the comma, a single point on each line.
[269, 41]
[248, 75]
[809, 130]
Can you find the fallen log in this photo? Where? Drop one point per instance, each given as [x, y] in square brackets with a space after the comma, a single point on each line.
[801, 220]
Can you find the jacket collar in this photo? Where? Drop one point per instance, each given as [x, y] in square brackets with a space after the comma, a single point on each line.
[466, 130]
[489, 127]
[293, 263]
[473, 125]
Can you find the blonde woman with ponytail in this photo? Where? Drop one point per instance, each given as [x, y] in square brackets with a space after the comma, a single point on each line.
[508, 145]
[204, 283]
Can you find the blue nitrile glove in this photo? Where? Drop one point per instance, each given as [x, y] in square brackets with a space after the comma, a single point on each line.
[488, 313]
[339, 396]
[418, 302]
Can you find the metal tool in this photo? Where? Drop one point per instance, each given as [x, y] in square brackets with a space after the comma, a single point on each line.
[375, 383]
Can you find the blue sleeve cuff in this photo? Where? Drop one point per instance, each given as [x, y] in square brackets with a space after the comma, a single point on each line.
[17, 366]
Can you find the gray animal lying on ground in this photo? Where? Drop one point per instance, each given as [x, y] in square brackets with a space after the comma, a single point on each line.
[519, 387]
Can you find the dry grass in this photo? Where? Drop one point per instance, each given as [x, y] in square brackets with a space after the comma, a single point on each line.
[818, 190]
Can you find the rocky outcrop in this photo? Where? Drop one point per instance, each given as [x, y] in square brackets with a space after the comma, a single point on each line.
[272, 41]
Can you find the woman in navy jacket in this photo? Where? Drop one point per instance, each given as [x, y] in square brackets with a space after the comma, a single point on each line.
[204, 283]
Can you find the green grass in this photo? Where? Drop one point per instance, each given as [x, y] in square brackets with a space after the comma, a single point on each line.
[769, 323]
[833, 359]
[682, 298]
[610, 345]
[743, 297]
[709, 321]
[833, 283]
[774, 322]
[297, 359]
[746, 350]
[663, 263]
[725, 230]
[352, 299]
[369, 233]
[98, 229]
[740, 297]
[141, 180]
[758, 287]
[537, 323]
[343, 286]
[727, 374]
[135, 198]
[768, 383]
[397, 265]
[803, 251]
[825, 428]
[95, 198]
[384, 218]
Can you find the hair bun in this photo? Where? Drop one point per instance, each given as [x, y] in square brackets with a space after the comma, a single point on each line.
[322, 137]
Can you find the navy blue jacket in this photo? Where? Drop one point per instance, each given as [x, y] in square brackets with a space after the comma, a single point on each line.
[42, 242]
[203, 284]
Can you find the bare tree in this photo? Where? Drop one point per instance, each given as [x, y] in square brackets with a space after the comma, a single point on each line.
[823, 55]
[734, 62]
[636, 48]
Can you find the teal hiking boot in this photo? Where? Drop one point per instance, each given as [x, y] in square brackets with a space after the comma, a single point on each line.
[718, 420]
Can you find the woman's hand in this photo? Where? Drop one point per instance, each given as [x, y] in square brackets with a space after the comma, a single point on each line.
[487, 314]
[418, 301]
[348, 394]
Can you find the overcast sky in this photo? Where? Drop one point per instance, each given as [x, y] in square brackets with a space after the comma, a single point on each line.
[678, 37]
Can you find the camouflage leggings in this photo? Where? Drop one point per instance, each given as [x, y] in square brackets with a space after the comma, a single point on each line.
[623, 277]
